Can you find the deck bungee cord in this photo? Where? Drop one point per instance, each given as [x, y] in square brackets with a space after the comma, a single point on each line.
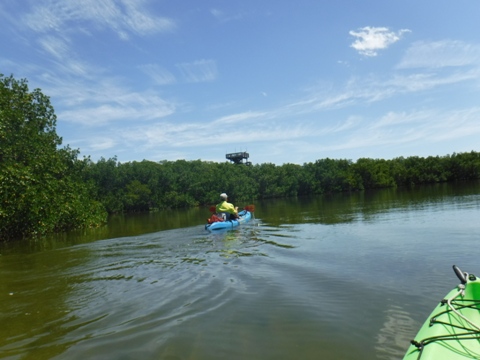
[460, 329]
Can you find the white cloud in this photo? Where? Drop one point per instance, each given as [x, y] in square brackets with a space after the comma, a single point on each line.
[126, 106]
[223, 17]
[199, 134]
[439, 54]
[199, 71]
[43, 18]
[371, 39]
[401, 132]
[158, 74]
[395, 119]
[122, 16]
[101, 143]
[217, 13]
[414, 128]
[55, 46]
[375, 89]
[457, 124]
[141, 22]
[64, 59]
[242, 117]
[426, 81]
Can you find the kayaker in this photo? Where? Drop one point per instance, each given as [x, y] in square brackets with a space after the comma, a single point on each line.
[224, 207]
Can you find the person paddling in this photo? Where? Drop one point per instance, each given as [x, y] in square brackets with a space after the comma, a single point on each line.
[224, 207]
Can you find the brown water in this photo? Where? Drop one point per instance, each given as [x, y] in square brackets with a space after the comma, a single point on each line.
[336, 277]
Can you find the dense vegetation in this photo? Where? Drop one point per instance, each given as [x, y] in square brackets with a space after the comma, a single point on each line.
[41, 188]
[45, 188]
[147, 185]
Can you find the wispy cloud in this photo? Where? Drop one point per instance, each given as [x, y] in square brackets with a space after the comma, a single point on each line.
[394, 119]
[55, 23]
[425, 81]
[65, 60]
[141, 22]
[199, 71]
[240, 118]
[131, 107]
[115, 103]
[458, 124]
[97, 143]
[371, 89]
[408, 128]
[100, 101]
[193, 134]
[125, 17]
[371, 39]
[399, 129]
[158, 74]
[439, 54]
[224, 17]
[55, 46]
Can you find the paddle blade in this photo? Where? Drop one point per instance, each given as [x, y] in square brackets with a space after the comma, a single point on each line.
[213, 209]
[250, 208]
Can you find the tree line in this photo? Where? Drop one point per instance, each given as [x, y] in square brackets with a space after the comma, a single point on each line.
[148, 185]
[46, 188]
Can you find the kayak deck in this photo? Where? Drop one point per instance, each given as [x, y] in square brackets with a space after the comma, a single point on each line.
[452, 331]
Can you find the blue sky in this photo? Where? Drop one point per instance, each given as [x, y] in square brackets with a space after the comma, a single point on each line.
[287, 81]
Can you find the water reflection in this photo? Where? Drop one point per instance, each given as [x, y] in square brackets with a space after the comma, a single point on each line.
[185, 295]
[362, 206]
[34, 301]
[395, 333]
[288, 285]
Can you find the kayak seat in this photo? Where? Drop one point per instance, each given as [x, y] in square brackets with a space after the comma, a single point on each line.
[226, 216]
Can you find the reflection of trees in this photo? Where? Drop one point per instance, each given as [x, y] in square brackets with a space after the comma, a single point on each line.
[348, 207]
[36, 313]
[43, 293]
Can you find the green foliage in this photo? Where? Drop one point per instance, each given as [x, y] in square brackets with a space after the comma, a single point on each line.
[372, 173]
[330, 176]
[40, 187]
[146, 185]
[44, 188]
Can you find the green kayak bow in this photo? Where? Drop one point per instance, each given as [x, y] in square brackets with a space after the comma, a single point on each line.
[452, 331]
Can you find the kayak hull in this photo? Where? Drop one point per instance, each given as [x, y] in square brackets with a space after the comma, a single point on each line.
[244, 216]
[452, 330]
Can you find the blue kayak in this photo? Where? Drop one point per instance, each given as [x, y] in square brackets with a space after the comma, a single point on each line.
[244, 216]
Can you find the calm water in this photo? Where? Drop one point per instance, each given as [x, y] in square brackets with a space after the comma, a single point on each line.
[337, 277]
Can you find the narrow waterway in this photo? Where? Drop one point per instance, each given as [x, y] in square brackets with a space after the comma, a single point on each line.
[349, 276]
